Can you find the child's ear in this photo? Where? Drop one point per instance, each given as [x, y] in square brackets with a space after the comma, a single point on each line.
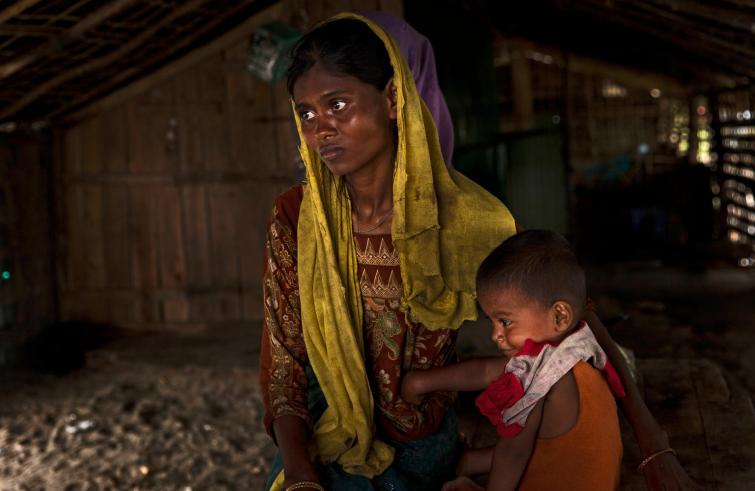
[563, 315]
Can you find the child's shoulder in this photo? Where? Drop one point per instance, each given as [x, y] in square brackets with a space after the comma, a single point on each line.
[561, 407]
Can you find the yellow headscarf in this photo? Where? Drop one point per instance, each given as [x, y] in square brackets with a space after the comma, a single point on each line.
[443, 227]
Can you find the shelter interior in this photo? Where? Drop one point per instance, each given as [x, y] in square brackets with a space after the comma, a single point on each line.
[140, 152]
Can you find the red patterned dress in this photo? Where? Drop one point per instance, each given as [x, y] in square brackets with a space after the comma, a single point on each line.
[393, 343]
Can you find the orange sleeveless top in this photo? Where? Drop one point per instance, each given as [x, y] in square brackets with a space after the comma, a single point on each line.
[587, 457]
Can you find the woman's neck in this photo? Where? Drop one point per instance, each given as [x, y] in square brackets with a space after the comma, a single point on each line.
[371, 192]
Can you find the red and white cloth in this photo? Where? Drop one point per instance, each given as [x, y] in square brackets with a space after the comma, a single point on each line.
[533, 370]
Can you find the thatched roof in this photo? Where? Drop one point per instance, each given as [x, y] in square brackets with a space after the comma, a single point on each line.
[703, 44]
[57, 56]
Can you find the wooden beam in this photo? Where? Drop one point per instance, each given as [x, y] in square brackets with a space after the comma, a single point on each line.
[29, 30]
[80, 70]
[583, 64]
[9, 68]
[716, 38]
[691, 38]
[736, 18]
[709, 54]
[16, 8]
[234, 36]
[134, 71]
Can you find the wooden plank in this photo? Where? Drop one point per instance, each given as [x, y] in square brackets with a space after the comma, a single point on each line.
[159, 132]
[86, 307]
[123, 308]
[15, 8]
[92, 246]
[196, 236]
[116, 235]
[203, 83]
[317, 11]
[71, 158]
[256, 203]
[73, 259]
[281, 102]
[395, 7]
[204, 138]
[175, 310]
[223, 208]
[206, 307]
[251, 137]
[91, 147]
[136, 156]
[290, 165]
[162, 94]
[224, 212]
[114, 136]
[333, 7]
[233, 37]
[143, 243]
[171, 260]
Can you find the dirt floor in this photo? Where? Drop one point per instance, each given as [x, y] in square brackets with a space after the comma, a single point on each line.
[147, 412]
[168, 411]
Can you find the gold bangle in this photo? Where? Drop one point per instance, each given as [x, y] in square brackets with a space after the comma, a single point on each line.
[650, 457]
[305, 484]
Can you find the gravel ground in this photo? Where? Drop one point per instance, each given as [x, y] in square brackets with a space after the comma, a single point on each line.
[168, 411]
[133, 421]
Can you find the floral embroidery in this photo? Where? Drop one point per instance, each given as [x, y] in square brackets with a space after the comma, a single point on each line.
[393, 343]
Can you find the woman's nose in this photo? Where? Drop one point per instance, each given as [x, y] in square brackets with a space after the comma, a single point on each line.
[325, 129]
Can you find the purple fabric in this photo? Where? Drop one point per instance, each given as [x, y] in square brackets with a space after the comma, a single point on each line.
[419, 55]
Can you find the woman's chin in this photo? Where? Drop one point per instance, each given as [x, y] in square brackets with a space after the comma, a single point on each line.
[338, 169]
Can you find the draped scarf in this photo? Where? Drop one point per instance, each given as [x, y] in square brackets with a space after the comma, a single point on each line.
[443, 226]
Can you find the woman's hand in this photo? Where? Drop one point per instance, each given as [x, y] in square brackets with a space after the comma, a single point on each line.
[665, 473]
[462, 483]
[411, 388]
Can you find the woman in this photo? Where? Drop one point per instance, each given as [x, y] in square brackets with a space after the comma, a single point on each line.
[369, 270]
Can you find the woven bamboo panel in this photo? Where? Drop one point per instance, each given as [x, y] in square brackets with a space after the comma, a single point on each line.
[167, 194]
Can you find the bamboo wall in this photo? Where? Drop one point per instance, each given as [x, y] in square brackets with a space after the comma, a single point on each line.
[164, 197]
[26, 275]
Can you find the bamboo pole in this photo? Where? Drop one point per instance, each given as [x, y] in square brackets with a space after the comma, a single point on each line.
[9, 68]
[80, 70]
[16, 8]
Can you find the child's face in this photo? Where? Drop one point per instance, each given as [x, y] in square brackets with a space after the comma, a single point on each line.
[516, 318]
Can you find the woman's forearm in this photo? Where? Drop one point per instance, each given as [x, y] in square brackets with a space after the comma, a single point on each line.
[470, 375]
[292, 435]
[650, 436]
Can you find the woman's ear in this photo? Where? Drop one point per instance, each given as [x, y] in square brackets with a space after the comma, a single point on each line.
[563, 315]
[390, 93]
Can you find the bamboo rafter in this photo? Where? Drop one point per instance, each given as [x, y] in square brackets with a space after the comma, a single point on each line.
[80, 70]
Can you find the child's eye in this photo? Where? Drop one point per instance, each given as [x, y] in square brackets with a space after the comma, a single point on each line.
[306, 115]
[339, 105]
[505, 322]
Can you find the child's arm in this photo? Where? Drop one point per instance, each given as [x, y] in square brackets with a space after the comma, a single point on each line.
[475, 374]
[511, 455]
[664, 471]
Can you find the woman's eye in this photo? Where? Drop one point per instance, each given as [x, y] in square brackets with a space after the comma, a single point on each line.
[338, 105]
[306, 115]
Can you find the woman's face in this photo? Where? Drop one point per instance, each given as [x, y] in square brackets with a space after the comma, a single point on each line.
[348, 122]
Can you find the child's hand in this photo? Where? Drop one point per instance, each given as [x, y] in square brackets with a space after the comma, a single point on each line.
[410, 388]
[461, 484]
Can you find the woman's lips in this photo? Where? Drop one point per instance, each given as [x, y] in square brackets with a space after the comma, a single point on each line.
[330, 152]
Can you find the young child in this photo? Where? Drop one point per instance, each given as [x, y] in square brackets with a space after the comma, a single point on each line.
[553, 409]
